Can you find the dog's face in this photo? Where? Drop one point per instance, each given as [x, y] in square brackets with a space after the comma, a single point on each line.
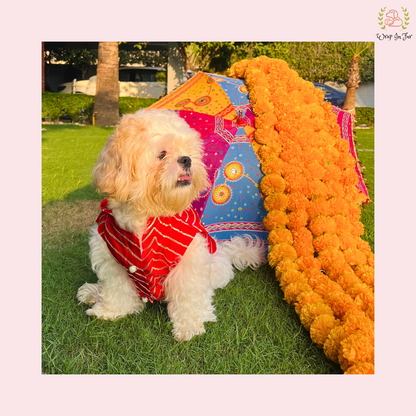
[152, 162]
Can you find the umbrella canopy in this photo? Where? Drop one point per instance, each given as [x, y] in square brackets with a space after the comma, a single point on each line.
[219, 109]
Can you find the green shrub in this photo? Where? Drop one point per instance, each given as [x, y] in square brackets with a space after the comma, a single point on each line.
[51, 105]
[79, 107]
[364, 115]
[128, 105]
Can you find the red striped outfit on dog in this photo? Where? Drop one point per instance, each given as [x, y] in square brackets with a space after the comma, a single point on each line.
[148, 260]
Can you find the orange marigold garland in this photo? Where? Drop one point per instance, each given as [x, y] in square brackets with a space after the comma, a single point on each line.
[324, 268]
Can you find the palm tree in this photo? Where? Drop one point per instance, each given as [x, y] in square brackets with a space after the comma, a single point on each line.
[107, 92]
[357, 48]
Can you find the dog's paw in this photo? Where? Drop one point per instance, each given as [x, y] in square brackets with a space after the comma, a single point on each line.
[108, 311]
[186, 334]
[89, 293]
[102, 313]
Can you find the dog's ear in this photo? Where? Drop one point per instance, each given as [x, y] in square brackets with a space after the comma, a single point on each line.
[114, 172]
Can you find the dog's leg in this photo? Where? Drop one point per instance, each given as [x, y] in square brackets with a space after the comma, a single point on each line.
[188, 292]
[115, 295]
[221, 270]
[245, 252]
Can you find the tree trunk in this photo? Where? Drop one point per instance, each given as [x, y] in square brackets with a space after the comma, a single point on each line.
[352, 85]
[107, 92]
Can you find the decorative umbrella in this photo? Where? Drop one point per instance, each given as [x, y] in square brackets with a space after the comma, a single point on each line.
[219, 109]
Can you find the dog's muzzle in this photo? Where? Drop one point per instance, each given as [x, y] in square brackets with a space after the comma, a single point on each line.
[185, 163]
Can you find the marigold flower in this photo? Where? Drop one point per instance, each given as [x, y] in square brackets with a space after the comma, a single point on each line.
[262, 106]
[308, 262]
[317, 170]
[306, 297]
[286, 265]
[316, 278]
[339, 302]
[265, 135]
[355, 348]
[272, 165]
[258, 92]
[370, 312]
[319, 206]
[311, 310]
[275, 219]
[297, 201]
[348, 278]
[345, 161]
[347, 240]
[238, 69]
[342, 224]
[337, 269]
[357, 289]
[296, 182]
[332, 344]
[303, 242]
[267, 120]
[276, 202]
[354, 256]
[370, 260]
[366, 274]
[329, 256]
[280, 235]
[327, 286]
[349, 177]
[317, 188]
[324, 241]
[332, 173]
[270, 150]
[342, 145]
[335, 188]
[364, 246]
[321, 327]
[298, 219]
[355, 321]
[364, 300]
[322, 224]
[292, 290]
[361, 368]
[290, 169]
[338, 206]
[292, 276]
[280, 252]
[272, 184]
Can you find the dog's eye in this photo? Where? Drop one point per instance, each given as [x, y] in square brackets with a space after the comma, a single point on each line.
[162, 154]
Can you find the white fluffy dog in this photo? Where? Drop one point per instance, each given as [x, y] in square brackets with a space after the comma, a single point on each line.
[148, 243]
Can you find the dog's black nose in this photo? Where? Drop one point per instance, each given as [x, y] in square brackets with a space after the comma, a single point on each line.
[185, 161]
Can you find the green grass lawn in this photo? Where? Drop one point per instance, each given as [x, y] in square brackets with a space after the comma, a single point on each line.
[256, 331]
[365, 151]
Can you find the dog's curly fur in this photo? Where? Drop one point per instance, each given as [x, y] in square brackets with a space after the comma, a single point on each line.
[151, 167]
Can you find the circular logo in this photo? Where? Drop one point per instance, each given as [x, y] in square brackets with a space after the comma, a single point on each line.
[221, 194]
[203, 100]
[182, 103]
[234, 171]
